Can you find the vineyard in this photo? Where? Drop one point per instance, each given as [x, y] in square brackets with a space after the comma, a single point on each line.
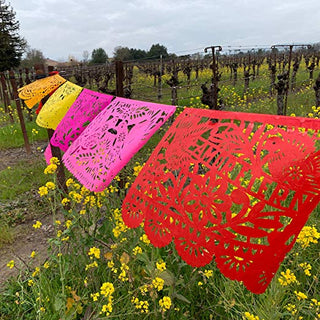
[71, 253]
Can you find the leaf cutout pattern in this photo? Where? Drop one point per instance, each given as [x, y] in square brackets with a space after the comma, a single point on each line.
[112, 138]
[57, 105]
[86, 107]
[33, 92]
[234, 187]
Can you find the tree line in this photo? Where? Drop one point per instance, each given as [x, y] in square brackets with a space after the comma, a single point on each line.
[13, 46]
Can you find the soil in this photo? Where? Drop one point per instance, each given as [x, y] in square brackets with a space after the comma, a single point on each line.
[26, 239]
[9, 157]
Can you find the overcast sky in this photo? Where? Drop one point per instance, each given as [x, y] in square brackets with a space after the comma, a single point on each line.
[60, 28]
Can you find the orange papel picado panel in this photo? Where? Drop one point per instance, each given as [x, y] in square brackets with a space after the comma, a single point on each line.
[37, 90]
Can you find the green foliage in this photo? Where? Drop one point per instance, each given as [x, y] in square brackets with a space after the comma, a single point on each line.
[11, 135]
[68, 284]
[99, 56]
[92, 248]
[158, 50]
[33, 57]
[11, 44]
[126, 54]
[22, 177]
[6, 233]
[122, 53]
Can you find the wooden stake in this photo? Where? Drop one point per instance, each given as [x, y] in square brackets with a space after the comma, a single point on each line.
[20, 114]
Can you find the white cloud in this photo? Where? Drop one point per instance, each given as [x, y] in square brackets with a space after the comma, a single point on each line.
[63, 27]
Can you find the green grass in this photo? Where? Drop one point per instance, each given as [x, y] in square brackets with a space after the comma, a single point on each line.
[20, 178]
[11, 135]
[6, 233]
[64, 289]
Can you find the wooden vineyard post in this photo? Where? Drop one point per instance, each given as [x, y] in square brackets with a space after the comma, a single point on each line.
[215, 78]
[119, 79]
[160, 79]
[289, 68]
[281, 87]
[19, 110]
[317, 91]
[120, 93]
[6, 99]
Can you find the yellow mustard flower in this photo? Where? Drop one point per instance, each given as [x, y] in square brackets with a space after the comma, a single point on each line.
[161, 265]
[287, 278]
[37, 225]
[308, 235]
[158, 283]
[94, 252]
[10, 264]
[50, 185]
[43, 191]
[136, 250]
[165, 303]
[249, 316]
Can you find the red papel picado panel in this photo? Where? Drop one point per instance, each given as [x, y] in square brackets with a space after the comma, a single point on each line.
[233, 187]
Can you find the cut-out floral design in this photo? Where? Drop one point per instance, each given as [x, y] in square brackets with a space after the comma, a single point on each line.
[233, 187]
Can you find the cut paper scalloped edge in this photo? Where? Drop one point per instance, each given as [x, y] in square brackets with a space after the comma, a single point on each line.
[85, 108]
[229, 186]
[47, 154]
[112, 138]
[57, 105]
[33, 92]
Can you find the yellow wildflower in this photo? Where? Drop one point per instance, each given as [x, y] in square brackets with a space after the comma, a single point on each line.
[287, 278]
[43, 191]
[141, 305]
[64, 201]
[161, 265]
[94, 264]
[36, 271]
[107, 289]
[107, 308]
[306, 268]
[50, 169]
[144, 238]
[308, 235]
[69, 182]
[300, 295]
[208, 273]
[158, 283]
[37, 225]
[94, 252]
[95, 296]
[144, 289]
[123, 272]
[50, 185]
[291, 308]
[68, 224]
[249, 316]
[136, 250]
[55, 160]
[10, 264]
[165, 303]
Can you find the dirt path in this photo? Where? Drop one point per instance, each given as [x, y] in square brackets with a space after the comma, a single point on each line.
[26, 238]
[11, 156]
